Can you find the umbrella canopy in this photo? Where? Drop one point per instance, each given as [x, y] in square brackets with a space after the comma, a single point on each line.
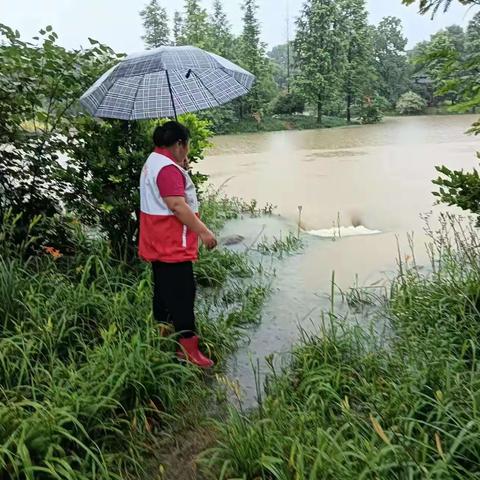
[165, 82]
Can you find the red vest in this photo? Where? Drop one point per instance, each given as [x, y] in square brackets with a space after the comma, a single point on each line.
[162, 236]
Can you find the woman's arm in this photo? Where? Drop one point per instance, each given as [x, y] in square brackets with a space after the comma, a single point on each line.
[184, 213]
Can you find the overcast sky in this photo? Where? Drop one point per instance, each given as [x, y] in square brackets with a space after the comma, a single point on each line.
[117, 23]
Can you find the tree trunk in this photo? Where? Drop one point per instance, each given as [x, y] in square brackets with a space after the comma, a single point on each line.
[349, 107]
[319, 111]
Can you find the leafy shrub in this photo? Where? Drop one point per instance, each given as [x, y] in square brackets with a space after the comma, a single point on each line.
[106, 158]
[288, 103]
[410, 103]
[221, 119]
[371, 109]
[40, 85]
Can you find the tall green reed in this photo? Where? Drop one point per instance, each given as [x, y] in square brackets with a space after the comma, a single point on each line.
[352, 405]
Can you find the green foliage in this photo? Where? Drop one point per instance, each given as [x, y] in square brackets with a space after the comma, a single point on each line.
[104, 171]
[106, 158]
[195, 27]
[319, 55]
[434, 5]
[281, 246]
[177, 28]
[222, 119]
[282, 67]
[39, 89]
[449, 61]
[371, 110]
[390, 59]
[284, 122]
[459, 188]
[222, 41]
[213, 268]
[433, 58]
[88, 381]
[155, 23]
[251, 56]
[359, 75]
[288, 103]
[352, 405]
[410, 104]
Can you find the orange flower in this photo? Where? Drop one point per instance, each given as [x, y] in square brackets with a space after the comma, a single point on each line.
[53, 252]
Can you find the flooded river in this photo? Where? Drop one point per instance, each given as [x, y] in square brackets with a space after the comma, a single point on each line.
[377, 177]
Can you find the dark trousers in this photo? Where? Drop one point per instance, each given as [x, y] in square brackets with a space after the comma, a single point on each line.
[174, 296]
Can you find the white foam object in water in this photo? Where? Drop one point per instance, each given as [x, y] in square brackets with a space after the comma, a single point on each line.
[338, 232]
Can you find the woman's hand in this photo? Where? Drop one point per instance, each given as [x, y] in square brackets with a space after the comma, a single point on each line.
[208, 239]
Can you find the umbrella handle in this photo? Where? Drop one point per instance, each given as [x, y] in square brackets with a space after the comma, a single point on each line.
[171, 95]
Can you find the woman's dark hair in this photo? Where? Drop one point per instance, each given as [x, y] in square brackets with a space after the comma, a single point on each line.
[170, 133]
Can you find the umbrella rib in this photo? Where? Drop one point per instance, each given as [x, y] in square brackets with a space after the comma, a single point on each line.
[132, 114]
[171, 94]
[242, 86]
[206, 88]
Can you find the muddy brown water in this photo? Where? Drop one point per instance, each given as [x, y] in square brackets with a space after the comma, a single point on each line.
[376, 176]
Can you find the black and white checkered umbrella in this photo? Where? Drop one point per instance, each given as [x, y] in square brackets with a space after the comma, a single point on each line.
[165, 82]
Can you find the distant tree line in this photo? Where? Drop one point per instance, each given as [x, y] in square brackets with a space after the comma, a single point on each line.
[337, 65]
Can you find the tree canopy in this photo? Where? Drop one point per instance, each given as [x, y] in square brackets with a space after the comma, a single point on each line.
[155, 23]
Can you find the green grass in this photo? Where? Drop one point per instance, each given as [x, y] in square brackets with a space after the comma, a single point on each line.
[280, 246]
[356, 405]
[88, 383]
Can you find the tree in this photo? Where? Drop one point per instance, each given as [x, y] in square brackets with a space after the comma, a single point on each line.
[251, 56]
[410, 103]
[40, 85]
[319, 56]
[279, 56]
[390, 58]
[420, 81]
[221, 38]
[359, 74]
[428, 61]
[195, 29]
[470, 89]
[155, 23]
[457, 36]
[453, 65]
[440, 52]
[178, 29]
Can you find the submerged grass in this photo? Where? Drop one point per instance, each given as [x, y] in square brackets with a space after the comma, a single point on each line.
[89, 385]
[352, 405]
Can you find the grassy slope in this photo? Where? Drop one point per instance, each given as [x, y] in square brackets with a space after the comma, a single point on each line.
[89, 386]
[354, 406]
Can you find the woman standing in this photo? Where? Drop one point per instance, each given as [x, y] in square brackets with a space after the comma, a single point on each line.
[169, 231]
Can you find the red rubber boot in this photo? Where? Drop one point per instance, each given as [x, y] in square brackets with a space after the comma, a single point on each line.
[192, 354]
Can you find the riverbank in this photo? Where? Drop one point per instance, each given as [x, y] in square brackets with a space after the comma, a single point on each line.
[273, 124]
[90, 385]
[354, 403]
[302, 122]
